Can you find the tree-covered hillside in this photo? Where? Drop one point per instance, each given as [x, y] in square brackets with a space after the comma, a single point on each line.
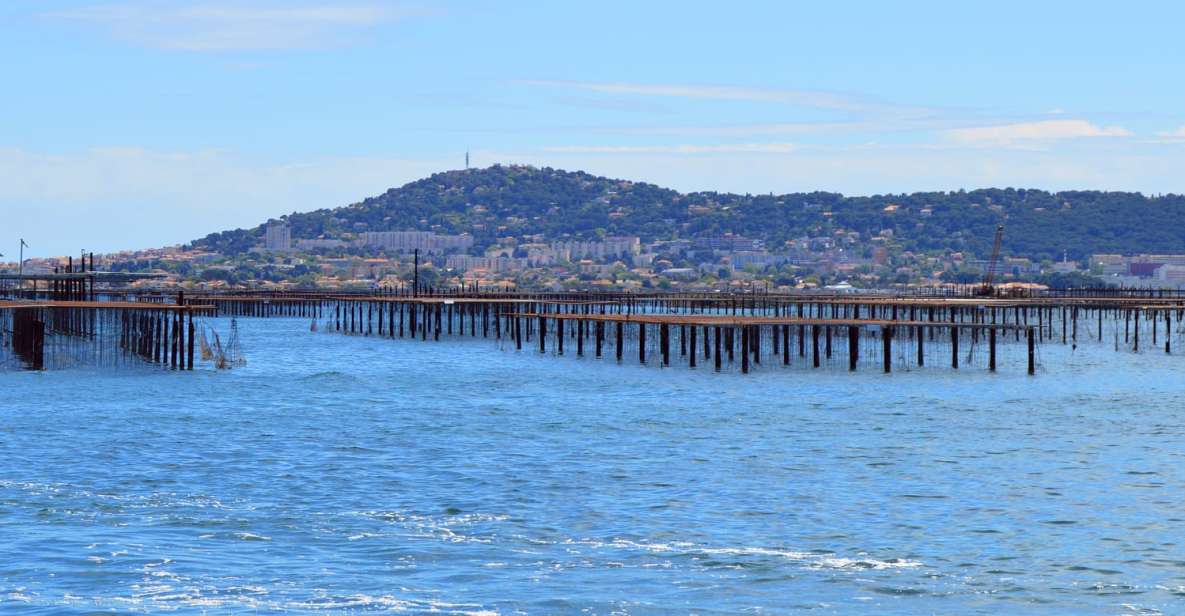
[502, 201]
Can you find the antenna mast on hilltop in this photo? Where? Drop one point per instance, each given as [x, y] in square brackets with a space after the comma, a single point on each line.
[466, 160]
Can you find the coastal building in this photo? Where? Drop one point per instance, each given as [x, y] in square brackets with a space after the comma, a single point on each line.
[1173, 274]
[728, 243]
[318, 244]
[489, 264]
[1140, 266]
[611, 247]
[410, 241]
[278, 237]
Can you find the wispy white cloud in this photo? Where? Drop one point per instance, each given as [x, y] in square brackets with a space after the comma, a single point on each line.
[224, 25]
[1031, 133]
[801, 98]
[740, 130]
[1174, 134]
[733, 148]
[885, 169]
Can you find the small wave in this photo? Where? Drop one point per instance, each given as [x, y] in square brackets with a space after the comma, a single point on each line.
[809, 559]
[251, 537]
[329, 376]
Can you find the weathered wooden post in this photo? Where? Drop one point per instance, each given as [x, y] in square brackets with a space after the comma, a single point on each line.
[1168, 330]
[853, 346]
[992, 349]
[887, 347]
[664, 338]
[1032, 362]
[744, 331]
[716, 355]
[954, 347]
[38, 342]
[189, 363]
[815, 346]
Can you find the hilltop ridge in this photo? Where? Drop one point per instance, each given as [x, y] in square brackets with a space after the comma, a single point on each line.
[512, 200]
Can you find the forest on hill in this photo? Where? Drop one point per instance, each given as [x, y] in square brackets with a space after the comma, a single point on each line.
[501, 201]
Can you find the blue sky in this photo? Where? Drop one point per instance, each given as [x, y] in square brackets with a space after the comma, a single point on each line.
[138, 124]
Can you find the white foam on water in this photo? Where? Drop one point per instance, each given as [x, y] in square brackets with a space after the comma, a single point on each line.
[251, 537]
[808, 559]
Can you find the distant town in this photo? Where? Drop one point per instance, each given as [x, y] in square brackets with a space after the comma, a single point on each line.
[842, 261]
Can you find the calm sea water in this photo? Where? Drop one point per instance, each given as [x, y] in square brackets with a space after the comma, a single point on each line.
[348, 475]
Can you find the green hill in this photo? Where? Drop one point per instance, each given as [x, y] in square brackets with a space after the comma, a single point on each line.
[502, 201]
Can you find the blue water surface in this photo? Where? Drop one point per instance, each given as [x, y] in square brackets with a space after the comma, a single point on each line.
[340, 474]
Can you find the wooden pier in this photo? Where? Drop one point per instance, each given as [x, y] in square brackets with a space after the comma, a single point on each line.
[42, 334]
[742, 331]
[720, 332]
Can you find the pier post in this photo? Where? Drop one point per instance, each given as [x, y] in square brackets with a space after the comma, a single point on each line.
[853, 346]
[1032, 362]
[542, 334]
[992, 349]
[887, 347]
[691, 359]
[38, 330]
[744, 350]
[716, 356]
[618, 340]
[189, 361]
[664, 338]
[954, 347]
[815, 346]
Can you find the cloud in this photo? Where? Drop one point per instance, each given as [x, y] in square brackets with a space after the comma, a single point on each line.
[1174, 134]
[864, 170]
[1030, 133]
[223, 25]
[733, 148]
[801, 98]
[113, 198]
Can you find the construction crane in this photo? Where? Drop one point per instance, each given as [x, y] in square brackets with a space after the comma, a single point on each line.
[989, 276]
